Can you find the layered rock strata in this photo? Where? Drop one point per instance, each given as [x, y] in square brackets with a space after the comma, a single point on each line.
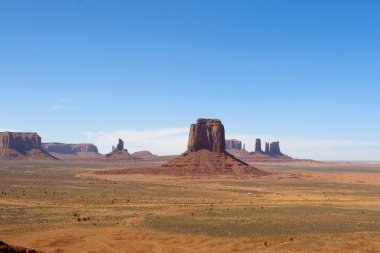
[72, 149]
[258, 146]
[119, 153]
[233, 144]
[206, 154]
[274, 149]
[207, 134]
[21, 145]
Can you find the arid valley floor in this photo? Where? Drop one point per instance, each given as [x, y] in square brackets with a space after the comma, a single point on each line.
[299, 207]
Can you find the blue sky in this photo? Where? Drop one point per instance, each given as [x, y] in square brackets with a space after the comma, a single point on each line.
[303, 72]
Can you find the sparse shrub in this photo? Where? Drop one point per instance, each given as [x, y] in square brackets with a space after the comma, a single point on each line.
[266, 244]
[291, 239]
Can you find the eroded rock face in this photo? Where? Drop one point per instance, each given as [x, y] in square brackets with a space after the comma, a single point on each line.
[274, 148]
[4, 247]
[21, 142]
[258, 146]
[233, 144]
[207, 134]
[206, 154]
[20, 145]
[266, 148]
[120, 145]
[63, 148]
[120, 153]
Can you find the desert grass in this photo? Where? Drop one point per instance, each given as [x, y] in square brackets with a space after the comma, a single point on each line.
[65, 207]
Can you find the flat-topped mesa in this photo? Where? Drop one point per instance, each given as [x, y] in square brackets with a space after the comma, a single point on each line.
[21, 142]
[64, 148]
[274, 149]
[207, 134]
[208, 121]
[22, 145]
[258, 146]
[233, 144]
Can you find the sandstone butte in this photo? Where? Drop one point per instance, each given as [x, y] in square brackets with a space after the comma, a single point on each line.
[119, 153]
[206, 154]
[233, 144]
[271, 153]
[21, 145]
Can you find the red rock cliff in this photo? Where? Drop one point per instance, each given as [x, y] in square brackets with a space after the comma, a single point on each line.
[22, 142]
[207, 134]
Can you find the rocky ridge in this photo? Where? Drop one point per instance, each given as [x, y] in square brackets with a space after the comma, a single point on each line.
[71, 151]
[22, 145]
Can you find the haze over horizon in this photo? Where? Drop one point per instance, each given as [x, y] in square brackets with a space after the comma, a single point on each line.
[304, 73]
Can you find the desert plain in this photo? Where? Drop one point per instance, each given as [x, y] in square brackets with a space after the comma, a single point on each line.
[73, 206]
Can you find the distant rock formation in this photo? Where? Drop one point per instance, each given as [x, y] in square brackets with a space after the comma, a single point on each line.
[258, 146]
[120, 145]
[266, 148]
[207, 134]
[274, 149]
[119, 153]
[22, 142]
[21, 145]
[143, 153]
[206, 154]
[147, 156]
[71, 151]
[233, 144]
[271, 149]
[271, 153]
[63, 148]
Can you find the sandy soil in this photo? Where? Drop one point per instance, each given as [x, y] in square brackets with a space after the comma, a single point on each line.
[65, 207]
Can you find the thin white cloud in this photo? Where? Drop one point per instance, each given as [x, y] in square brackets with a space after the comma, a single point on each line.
[63, 107]
[63, 104]
[318, 149]
[167, 141]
